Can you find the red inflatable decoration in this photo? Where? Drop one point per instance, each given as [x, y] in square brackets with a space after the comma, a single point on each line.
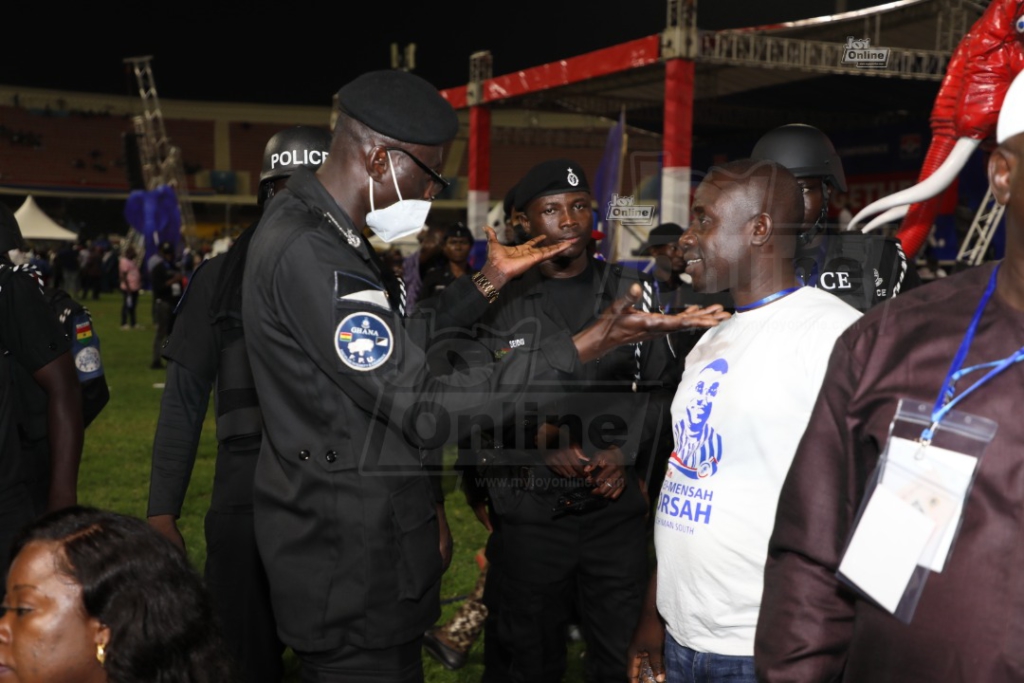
[965, 113]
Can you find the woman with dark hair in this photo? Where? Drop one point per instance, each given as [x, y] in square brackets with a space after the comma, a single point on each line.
[98, 597]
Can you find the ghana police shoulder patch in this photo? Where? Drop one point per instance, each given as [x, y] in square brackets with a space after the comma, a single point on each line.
[88, 360]
[363, 341]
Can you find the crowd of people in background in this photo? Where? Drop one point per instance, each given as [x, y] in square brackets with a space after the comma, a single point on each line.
[723, 404]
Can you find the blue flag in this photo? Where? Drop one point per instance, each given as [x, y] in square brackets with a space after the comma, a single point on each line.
[606, 184]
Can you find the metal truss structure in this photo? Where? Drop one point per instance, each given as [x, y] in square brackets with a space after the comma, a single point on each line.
[161, 161]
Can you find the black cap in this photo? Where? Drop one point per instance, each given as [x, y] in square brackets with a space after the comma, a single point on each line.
[400, 105]
[166, 248]
[550, 177]
[510, 198]
[10, 231]
[666, 233]
[458, 230]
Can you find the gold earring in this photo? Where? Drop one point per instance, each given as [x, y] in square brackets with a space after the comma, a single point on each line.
[101, 654]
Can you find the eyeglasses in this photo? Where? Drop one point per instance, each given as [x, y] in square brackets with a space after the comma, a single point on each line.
[434, 175]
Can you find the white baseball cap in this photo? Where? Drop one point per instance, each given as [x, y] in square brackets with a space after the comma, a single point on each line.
[1011, 116]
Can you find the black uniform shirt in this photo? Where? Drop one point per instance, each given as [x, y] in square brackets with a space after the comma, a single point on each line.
[30, 335]
[162, 289]
[598, 396]
[345, 516]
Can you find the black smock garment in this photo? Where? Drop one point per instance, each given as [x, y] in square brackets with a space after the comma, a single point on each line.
[969, 623]
[345, 516]
[206, 350]
[196, 349]
[861, 269]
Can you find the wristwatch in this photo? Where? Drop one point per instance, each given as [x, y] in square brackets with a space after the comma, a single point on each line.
[481, 281]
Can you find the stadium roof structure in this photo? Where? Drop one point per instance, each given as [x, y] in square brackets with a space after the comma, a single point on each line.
[794, 60]
[859, 68]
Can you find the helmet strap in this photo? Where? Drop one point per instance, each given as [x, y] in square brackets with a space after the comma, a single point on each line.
[821, 223]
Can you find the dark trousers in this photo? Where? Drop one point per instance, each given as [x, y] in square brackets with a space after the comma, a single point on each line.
[131, 302]
[496, 659]
[347, 664]
[595, 561]
[240, 597]
[162, 316]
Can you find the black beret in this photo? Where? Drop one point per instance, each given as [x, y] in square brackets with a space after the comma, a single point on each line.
[400, 105]
[510, 198]
[666, 233]
[10, 231]
[458, 230]
[550, 177]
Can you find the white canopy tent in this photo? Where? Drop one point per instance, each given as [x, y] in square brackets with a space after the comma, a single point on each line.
[36, 225]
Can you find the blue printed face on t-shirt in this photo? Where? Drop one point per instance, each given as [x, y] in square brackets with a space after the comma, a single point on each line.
[698, 407]
[698, 447]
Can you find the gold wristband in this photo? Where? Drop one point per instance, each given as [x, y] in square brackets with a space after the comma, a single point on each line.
[485, 286]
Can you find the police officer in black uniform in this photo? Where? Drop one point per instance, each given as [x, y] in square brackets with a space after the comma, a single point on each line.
[569, 508]
[32, 337]
[350, 530]
[861, 269]
[33, 402]
[207, 347]
[458, 241]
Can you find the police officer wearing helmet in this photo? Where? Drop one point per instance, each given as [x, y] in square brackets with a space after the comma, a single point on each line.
[205, 350]
[351, 531]
[288, 150]
[861, 269]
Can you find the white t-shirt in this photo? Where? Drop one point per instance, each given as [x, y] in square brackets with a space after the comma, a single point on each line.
[738, 415]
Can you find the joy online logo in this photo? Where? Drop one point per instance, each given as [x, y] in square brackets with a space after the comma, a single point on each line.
[861, 54]
[627, 212]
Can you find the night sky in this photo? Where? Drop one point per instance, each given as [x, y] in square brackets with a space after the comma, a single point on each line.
[262, 52]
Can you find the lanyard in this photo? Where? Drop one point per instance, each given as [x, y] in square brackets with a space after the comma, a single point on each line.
[767, 300]
[947, 395]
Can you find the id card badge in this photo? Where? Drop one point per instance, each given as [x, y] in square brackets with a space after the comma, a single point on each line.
[913, 506]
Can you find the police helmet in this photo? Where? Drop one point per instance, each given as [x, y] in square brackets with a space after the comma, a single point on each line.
[805, 151]
[289, 150]
[10, 231]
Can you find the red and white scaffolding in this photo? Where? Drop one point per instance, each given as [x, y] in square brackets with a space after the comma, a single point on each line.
[693, 58]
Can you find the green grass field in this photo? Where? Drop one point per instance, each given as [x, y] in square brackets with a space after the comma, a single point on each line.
[116, 464]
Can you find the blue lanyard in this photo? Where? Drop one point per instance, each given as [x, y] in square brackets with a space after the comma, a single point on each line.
[947, 395]
[767, 300]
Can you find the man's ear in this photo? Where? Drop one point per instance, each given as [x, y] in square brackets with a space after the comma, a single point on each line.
[761, 229]
[524, 221]
[377, 162]
[1001, 164]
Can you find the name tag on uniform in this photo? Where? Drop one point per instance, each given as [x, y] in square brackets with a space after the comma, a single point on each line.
[353, 288]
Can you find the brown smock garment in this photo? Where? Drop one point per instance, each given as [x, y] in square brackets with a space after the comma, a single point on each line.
[969, 623]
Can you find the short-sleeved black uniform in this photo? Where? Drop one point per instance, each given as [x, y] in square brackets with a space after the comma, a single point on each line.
[207, 347]
[596, 561]
[345, 515]
[31, 336]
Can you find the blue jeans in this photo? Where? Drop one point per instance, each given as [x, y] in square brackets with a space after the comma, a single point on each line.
[683, 665]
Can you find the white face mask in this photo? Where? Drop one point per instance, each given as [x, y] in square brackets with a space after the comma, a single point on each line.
[403, 218]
